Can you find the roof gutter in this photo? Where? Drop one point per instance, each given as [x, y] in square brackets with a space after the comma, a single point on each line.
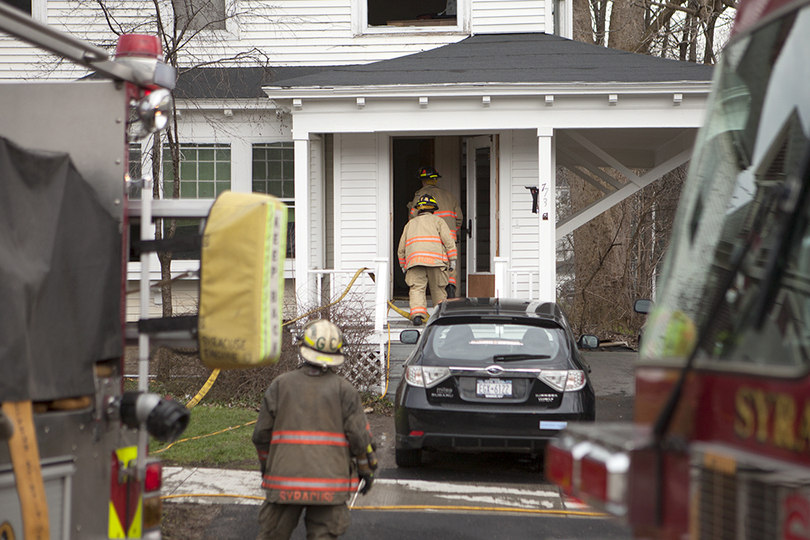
[482, 89]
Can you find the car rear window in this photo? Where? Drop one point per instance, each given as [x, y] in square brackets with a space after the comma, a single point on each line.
[485, 340]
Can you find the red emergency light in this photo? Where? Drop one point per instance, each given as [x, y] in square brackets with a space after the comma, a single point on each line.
[138, 46]
[143, 54]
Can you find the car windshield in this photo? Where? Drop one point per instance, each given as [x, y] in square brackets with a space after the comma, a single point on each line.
[489, 342]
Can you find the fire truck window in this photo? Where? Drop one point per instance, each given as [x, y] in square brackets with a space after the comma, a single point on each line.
[751, 148]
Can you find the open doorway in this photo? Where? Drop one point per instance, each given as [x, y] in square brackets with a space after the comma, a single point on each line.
[409, 154]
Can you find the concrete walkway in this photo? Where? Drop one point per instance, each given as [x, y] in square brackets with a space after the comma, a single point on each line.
[223, 486]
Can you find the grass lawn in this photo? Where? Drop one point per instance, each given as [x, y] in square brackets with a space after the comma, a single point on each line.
[208, 441]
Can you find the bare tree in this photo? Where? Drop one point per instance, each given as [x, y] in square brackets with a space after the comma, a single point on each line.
[616, 257]
[191, 35]
[686, 29]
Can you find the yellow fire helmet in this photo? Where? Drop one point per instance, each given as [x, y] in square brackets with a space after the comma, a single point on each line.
[426, 202]
[429, 175]
[321, 343]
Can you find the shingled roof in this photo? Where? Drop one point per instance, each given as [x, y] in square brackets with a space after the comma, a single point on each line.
[234, 82]
[507, 58]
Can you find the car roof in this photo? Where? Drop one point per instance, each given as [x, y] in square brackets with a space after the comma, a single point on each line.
[501, 307]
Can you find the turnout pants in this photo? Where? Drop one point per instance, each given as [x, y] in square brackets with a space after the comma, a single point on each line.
[277, 521]
[418, 279]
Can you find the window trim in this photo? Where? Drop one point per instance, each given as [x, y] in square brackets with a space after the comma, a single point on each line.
[231, 30]
[360, 27]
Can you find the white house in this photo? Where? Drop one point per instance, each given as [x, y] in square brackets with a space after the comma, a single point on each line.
[490, 92]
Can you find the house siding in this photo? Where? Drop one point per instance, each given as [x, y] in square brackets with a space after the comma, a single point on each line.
[496, 17]
[524, 225]
[288, 32]
[316, 200]
[80, 19]
[357, 208]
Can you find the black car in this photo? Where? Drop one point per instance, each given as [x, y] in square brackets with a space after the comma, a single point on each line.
[490, 374]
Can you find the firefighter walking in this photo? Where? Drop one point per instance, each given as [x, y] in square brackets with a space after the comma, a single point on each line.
[427, 254]
[313, 441]
[449, 210]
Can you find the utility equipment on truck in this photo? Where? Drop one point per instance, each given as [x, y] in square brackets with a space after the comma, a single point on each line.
[720, 442]
[73, 443]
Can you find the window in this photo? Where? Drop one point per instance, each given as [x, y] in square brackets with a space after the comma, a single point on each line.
[205, 170]
[135, 169]
[274, 169]
[481, 342]
[24, 5]
[414, 13]
[198, 15]
[274, 174]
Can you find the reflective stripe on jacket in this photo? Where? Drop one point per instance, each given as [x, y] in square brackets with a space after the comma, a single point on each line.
[449, 209]
[310, 425]
[426, 241]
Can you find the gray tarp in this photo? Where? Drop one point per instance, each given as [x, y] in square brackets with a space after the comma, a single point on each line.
[60, 278]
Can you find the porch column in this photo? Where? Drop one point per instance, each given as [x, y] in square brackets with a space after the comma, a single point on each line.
[303, 222]
[546, 197]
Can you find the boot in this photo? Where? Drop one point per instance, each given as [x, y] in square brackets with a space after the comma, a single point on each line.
[417, 321]
[451, 290]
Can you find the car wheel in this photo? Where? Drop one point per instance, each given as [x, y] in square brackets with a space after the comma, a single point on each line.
[408, 459]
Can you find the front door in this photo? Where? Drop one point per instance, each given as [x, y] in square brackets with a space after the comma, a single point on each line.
[481, 227]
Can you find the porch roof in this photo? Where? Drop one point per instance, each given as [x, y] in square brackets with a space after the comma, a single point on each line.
[507, 58]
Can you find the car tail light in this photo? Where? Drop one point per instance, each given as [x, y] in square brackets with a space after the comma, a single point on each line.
[426, 376]
[154, 472]
[563, 380]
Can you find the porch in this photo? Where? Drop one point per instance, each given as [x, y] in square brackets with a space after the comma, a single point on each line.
[361, 288]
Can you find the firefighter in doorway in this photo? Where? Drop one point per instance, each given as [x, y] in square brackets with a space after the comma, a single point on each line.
[427, 255]
[449, 211]
[313, 440]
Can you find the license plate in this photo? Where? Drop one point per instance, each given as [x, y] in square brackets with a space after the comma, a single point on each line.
[493, 388]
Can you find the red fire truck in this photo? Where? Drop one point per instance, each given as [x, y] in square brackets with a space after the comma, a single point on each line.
[73, 443]
[719, 447]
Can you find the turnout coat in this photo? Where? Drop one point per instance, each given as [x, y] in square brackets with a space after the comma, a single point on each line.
[426, 241]
[310, 425]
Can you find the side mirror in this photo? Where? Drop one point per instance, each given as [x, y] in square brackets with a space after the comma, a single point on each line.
[642, 306]
[588, 341]
[409, 337]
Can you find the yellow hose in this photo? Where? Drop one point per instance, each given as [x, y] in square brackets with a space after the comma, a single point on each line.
[214, 374]
[203, 436]
[400, 311]
[410, 506]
